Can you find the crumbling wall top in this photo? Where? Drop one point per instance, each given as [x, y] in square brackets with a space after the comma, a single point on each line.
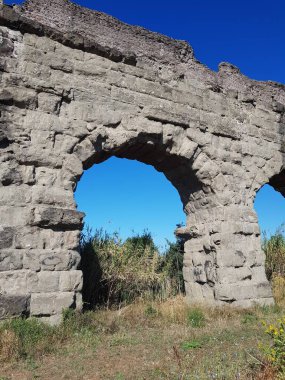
[104, 35]
[90, 27]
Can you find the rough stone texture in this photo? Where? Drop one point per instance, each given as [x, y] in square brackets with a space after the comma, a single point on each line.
[14, 306]
[77, 87]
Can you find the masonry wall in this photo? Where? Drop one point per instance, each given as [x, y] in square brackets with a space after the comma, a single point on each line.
[77, 87]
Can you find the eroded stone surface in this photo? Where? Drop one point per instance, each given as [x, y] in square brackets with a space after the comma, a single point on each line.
[77, 87]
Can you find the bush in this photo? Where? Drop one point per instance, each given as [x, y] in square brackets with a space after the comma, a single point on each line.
[117, 272]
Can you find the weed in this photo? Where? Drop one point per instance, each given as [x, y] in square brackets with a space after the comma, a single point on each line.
[122, 340]
[270, 309]
[119, 376]
[150, 311]
[249, 317]
[196, 318]
[26, 338]
[275, 353]
[193, 344]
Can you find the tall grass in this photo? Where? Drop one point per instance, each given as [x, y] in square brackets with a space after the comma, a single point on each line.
[117, 272]
[274, 249]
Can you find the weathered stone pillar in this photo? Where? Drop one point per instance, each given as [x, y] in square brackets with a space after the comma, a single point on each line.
[38, 257]
[223, 261]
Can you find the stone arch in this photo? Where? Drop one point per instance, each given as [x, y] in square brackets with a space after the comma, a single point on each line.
[166, 147]
[163, 147]
[72, 94]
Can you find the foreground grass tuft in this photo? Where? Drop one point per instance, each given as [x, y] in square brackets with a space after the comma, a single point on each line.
[196, 318]
[23, 338]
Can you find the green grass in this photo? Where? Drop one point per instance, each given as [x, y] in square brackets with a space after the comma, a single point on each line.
[28, 338]
[196, 318]
[193, 344]
[249, 317]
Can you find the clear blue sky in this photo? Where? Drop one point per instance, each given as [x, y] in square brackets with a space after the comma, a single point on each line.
[126, 195]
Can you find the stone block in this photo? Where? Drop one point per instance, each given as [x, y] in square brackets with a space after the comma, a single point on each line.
[6, 237]
[52, 216]
[228, 275]
[230, 258]
[198, 294]
[18, 282]
[239, 291]
[258, 274]
[47, 282]
[14, 195]
[12, 216]
[10, 260]
[71, 281]
[14, 306]
[46, 304]
[53, 196]
[49, 103]
[49, 260]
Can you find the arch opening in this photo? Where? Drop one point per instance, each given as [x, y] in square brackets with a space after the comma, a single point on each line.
[156, 150]
[270, 207]
[132, 210]
[127, 196]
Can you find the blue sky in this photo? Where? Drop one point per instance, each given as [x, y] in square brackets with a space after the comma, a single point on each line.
[126, 195]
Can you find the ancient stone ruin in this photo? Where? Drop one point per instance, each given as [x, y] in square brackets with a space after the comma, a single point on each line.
[77, 87]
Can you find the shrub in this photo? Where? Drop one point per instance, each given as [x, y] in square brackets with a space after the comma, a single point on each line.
[117, 272]
[196, 318]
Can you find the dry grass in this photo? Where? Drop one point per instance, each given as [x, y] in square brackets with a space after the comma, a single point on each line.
[278, 286]
[266, 373]
[9, 345]
[145, 341]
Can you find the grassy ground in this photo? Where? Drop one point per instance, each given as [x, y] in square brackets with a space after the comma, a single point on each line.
[142, 341]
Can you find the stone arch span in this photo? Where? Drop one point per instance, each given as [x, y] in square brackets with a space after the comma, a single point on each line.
[75, 94]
